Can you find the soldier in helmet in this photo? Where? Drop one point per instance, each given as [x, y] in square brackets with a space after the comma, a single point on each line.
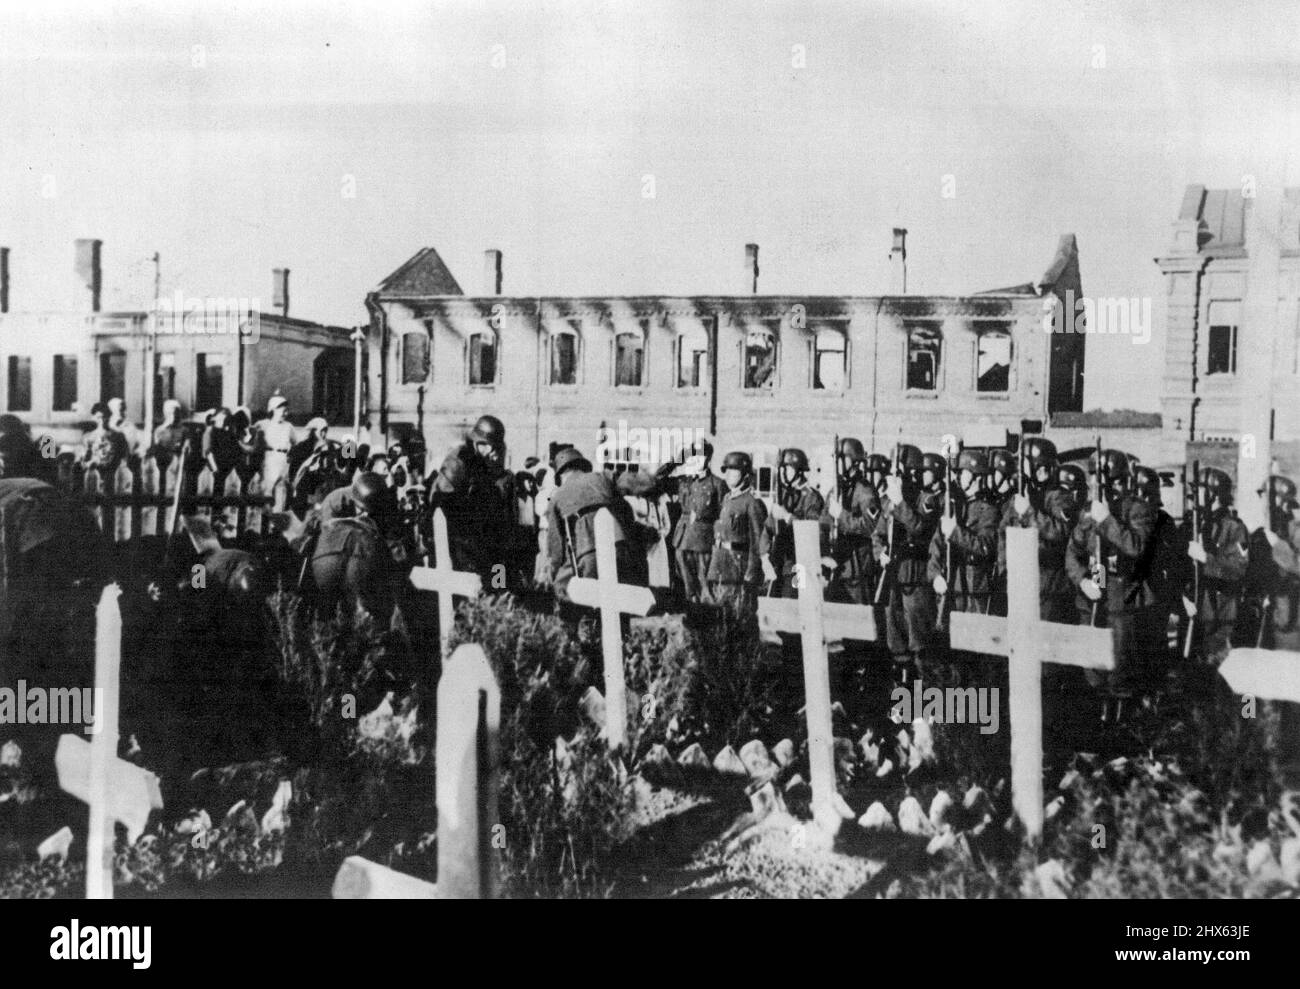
[797, 501]
[740, 564]
[877, 472]
[908, 519]
[1222, 551]
[700, 494]
[1111, 547]
[1053, 511]
[360, 554]
[479, 497]
[1283, 536]
[571, 525]
[1002, 476]
[1167, 575]
[1040, 469]
[965, 545]
[852, 518]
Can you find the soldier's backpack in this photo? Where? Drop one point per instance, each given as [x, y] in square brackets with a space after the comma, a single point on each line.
[53, 558]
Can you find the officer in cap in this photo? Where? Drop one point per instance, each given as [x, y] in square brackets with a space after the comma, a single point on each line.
[742, 540]
[700, 493]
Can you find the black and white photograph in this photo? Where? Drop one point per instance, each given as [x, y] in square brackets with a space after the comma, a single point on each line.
[656, 450]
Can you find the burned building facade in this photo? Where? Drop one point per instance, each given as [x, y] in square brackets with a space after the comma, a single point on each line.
[755, 372]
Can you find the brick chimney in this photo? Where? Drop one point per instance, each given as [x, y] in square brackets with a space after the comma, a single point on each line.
[280, 290]
[4, 280]
[492, 272]
[751, 269]
[898, 263]
[89, 275]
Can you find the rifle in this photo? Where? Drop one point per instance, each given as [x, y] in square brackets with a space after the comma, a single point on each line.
[880, 580]
[176, 502]
[1097, 566]
[1021, 461]
[1196, 537]
[950, 509]
[839, 490]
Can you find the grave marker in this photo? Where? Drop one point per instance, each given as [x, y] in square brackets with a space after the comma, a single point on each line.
[614, 600]
[444, 580]
[116, 790]
[815, 621]
[467, 757]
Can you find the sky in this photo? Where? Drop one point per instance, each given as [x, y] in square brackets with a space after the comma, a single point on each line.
[338, 138]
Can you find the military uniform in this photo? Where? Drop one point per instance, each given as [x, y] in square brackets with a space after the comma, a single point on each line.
[571, 529]
[974, 554]
[741, 541]
[1054, 522]
[858, 570]
[804, 503]
[910, 605]
[482, 509]
[1126, 546]
[1227, 554]
[701, 499]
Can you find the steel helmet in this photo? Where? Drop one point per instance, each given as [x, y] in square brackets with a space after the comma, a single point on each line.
[909, 457]
[796, 458]
[737, 460]
[1071, 477]
[878, 463]
[568, 459]
[1003, 462]
[1115, 463]
[702, 448]
[1283, 488]
[1040, 452]
[933, 462]
[489, 429]
[852, 450]
[371, 492]
[975, 461]
[1146, 482]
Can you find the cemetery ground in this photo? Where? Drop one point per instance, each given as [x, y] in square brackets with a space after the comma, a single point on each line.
[284, 755]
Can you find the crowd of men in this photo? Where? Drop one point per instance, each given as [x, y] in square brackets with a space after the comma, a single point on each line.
[917, 535]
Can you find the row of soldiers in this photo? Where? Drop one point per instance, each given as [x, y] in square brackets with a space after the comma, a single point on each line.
[923, 534]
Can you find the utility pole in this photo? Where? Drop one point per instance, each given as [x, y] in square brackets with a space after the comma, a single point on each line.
[358, 338]
[151, 350]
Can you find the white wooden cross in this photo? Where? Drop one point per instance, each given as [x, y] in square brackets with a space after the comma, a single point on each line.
[1273, 674]
[469, 727]
[116, 790]
[1028, 643]
[614, 600]
[444, 580]
[816, 621]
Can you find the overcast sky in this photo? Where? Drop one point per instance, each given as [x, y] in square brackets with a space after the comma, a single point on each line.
[227, 136]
